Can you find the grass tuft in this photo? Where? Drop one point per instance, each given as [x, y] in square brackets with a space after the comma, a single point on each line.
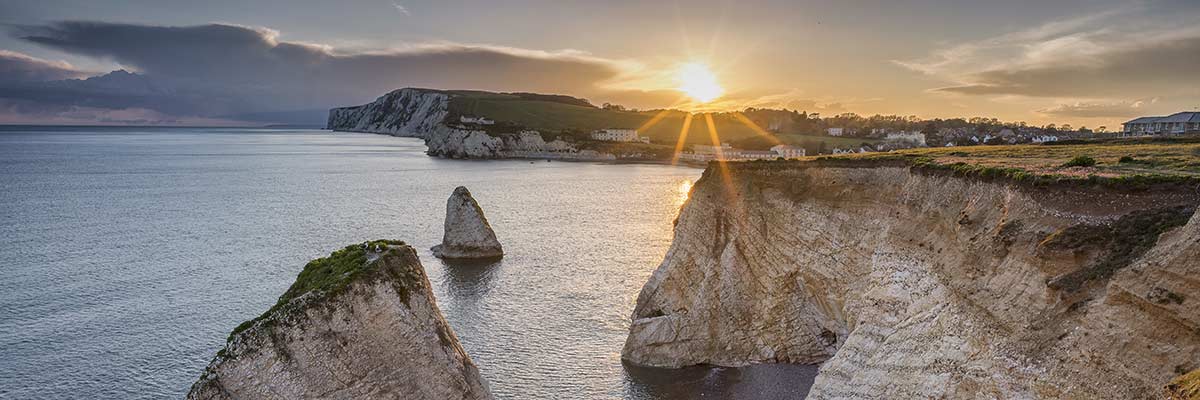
[1080, 161]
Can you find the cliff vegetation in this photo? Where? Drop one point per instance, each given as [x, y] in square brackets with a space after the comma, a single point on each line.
[1114, 161]
[326, 275]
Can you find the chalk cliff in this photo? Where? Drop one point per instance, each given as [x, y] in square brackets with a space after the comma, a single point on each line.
[403, 112]
[467, 232]
[907, 283]
[361, 323]
[425, 113]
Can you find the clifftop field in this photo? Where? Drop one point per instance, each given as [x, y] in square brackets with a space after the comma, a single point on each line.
[564, 114]
[1128, 160]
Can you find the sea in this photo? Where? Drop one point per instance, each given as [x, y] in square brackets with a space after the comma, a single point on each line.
[128, 254]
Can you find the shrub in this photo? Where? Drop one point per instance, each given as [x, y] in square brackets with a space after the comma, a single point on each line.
[1126, 159]
[1080, 161]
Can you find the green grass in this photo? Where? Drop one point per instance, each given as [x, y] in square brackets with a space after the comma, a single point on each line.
[557, 117]
[327, 274]
[1153, 162]
[1081, 161]
[1186, 386]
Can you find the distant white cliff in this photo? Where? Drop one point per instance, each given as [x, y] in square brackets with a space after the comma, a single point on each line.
[424, 113]
[404, 112]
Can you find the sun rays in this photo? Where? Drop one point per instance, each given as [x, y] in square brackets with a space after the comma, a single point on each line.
[698, 82]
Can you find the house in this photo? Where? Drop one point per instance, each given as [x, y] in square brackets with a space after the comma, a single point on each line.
[724, 152]
[707, 149]
[1175, 123]
[469, 119]
[787, 151]
[835, 131]
[615, 135]
[914, 138]
[745, 155]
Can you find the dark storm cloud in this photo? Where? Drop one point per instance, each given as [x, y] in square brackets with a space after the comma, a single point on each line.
[219, 69]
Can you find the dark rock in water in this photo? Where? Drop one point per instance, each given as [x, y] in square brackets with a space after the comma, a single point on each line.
[361, 323]
[468, 234]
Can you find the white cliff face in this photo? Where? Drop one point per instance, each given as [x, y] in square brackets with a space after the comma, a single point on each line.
[422, 113]
[913, 285]
[468, 234]
[450, 142]
[380, 335]
[458, 142]
[525, 141]
[403, 112]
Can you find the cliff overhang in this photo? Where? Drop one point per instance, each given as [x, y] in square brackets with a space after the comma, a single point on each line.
[914, 280]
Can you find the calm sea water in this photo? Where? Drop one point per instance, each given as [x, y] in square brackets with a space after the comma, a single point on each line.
[128, 255]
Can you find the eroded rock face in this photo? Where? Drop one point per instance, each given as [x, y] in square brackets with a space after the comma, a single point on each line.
[917, 285]
[403, 112]
[451, 142]
[358, 324]
[468, 234]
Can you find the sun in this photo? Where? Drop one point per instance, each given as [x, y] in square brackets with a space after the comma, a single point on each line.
[698, 82]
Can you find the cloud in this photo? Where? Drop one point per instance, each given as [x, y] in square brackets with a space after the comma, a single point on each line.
[1122, 109]
[25, 112]
[220, 69]
[1097, 56]
[400, 8]
[17, 67]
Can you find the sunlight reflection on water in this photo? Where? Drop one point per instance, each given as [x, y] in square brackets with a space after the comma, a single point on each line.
[132, 252]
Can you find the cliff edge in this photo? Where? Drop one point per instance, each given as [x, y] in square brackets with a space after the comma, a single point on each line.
[361, 323]
[908, 283]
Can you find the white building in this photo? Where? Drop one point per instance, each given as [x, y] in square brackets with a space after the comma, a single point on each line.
[475, 120]
[746, 155]
[1043, 138]
[786, 151]
[835, 131]
[725, 148]
[1175, 123]
[916, 138]
[615, 135]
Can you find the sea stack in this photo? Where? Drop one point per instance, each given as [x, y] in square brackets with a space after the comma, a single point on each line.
[361, 323]
[468, 234]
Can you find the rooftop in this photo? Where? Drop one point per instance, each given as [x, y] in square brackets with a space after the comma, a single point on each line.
[1186, 116]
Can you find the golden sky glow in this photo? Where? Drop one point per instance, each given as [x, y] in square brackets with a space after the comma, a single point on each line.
[1083, 63]
[698, 82]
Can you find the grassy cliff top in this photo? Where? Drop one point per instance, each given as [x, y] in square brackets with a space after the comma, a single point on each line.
[1144, 161]
[327, 274]
[1185, 387]
[554, 114]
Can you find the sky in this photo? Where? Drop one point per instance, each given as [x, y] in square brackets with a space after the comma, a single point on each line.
[1083, 62]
